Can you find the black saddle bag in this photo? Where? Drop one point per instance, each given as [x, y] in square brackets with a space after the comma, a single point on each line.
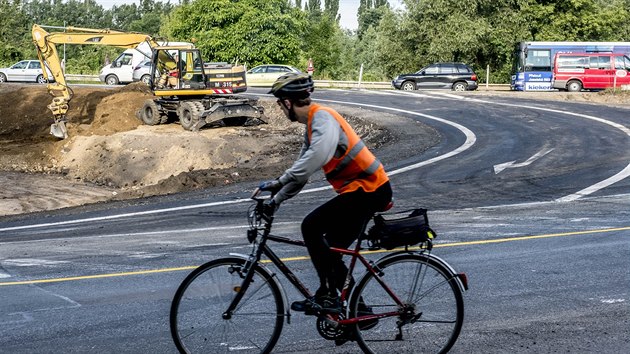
[406, 228]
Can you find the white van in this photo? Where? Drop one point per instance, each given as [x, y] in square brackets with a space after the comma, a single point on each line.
[121, 69]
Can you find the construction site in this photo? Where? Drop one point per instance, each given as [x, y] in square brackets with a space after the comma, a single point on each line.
[111, 155]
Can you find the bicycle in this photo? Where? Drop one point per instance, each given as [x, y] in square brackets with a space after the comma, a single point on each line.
[410, 299]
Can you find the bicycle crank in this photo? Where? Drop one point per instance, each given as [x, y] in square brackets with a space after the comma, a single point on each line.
[329, 328]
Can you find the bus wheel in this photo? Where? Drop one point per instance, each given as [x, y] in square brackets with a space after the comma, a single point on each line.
[574, 86]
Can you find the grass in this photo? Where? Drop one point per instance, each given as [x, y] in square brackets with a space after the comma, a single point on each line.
[615, 92]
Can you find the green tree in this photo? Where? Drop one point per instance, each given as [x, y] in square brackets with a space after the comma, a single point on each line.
[580, 20]
[331, 8]
[393, 51]
[251, 31]
[145, 18]
[369, 14]
[323, 43]
[14, 32]
[313, 6]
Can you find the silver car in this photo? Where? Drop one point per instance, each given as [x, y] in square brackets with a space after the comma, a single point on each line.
[25, 70]
[142, 72]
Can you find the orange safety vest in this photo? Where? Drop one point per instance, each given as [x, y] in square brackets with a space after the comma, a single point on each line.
[357, 167]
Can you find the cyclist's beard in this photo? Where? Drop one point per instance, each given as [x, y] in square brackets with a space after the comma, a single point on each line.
[292, 117]
[290, 112]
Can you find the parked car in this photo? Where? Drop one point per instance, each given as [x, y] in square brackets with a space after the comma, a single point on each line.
[454, 76]
[120, 71]
[266, 75]
[25, 70]
[142, 72]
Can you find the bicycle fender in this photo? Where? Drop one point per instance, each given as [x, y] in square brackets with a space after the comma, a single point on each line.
[437, 259]
[448, 267]
[274, 276]
[394, 254]
[239, 255]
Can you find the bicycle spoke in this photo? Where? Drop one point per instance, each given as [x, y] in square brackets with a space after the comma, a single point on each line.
[432, 313]
[197, 316]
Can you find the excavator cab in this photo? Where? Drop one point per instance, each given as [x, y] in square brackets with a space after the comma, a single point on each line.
[178, 69]
[197, 93]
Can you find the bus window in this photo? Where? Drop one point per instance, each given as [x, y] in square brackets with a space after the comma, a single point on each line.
[538, 60]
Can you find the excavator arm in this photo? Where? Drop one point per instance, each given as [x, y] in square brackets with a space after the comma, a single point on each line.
[46, 44]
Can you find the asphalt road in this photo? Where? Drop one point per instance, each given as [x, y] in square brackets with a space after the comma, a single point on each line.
[529, 199]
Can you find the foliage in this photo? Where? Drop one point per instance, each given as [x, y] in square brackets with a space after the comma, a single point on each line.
[322, 43]
[251, 31]
[13, 32]
[369, 14]
[481, 33]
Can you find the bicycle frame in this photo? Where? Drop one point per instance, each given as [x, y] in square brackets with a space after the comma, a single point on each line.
[264, 249]
[406, 295]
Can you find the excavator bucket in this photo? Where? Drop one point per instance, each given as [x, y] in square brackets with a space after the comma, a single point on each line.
[58, 130]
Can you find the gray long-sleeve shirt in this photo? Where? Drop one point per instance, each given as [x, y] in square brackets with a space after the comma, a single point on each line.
[327, 138]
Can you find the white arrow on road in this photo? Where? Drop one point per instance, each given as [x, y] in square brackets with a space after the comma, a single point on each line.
[502, 166]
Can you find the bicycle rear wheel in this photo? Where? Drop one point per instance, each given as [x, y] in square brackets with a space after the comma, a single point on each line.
[433, 311]
[196, 318]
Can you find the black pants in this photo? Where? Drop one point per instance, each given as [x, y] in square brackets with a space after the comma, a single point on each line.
[338, 223]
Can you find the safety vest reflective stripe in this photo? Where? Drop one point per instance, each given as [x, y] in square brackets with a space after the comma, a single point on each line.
[372, 169]
[350, 156]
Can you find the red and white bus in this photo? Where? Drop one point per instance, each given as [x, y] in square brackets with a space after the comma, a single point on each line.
[590, 71]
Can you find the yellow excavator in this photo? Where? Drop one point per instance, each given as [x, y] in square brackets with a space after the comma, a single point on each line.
[190, 90]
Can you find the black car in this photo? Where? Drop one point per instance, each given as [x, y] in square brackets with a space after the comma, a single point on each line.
[455, 76]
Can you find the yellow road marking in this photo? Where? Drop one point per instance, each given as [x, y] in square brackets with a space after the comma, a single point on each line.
[302, 258]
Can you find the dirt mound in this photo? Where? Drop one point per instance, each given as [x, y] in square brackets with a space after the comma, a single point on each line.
[109, 148]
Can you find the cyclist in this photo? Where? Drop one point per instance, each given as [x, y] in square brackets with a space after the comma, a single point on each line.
[358, 177]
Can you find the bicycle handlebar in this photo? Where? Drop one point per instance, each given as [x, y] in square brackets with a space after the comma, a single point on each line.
[257, 192]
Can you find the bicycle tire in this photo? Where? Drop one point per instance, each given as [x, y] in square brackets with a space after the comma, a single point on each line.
[435, 301]
[196, 315]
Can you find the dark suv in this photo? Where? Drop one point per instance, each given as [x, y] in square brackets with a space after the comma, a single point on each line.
[456, 76]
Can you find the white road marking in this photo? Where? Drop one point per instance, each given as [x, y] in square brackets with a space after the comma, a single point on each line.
[470, 140]
[621, 175]
[30, 262]
[613, 301]
[502, 166]
[163, 232]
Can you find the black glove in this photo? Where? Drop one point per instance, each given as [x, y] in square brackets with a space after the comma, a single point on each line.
[271, 186]
[270, 206]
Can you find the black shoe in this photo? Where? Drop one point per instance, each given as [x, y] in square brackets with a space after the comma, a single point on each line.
[316, 305]
[364, 310]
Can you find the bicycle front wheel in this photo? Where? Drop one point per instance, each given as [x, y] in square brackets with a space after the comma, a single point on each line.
[432, 313]
[197, 320]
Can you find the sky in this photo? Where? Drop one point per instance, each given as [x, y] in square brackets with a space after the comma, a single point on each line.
[347, 9]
